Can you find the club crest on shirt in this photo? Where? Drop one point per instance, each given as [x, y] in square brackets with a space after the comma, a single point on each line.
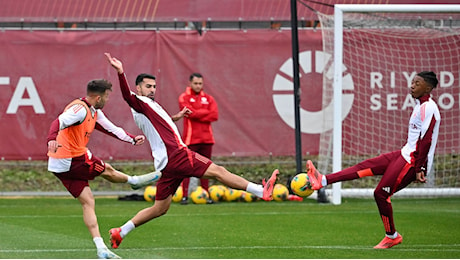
[204, 100]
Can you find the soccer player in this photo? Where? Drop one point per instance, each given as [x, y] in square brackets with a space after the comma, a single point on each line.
[171, 155]
[72, 162]
[399, 168]
[198, 134]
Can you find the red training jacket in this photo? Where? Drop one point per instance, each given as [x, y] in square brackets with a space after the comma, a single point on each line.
[197, 125]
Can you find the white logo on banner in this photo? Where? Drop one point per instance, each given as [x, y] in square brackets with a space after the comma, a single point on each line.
[312, 122]
[25, 86]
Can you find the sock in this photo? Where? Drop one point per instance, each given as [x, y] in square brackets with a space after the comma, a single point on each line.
[99, 242]
[324, 181]
[126, 228]
[255, 189]
[393, 236]
[137, 179]
[133, 180]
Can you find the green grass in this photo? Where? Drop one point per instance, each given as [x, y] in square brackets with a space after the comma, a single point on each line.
[53, 228]
[34, 176]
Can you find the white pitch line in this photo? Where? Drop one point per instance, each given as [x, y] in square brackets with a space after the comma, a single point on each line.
[358, 212]
[417, 248]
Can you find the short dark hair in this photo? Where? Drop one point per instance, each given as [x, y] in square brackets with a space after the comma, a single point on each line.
[429, 77]
[98, 86]
[195, 75]
[142, 76]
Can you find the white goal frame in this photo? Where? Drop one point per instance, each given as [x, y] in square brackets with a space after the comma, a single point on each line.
[339, 9]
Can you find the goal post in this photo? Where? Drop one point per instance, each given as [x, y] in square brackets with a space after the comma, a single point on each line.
[376, 50]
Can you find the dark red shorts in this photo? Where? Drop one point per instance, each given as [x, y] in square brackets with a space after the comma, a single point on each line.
[182, 163]
[82, 169]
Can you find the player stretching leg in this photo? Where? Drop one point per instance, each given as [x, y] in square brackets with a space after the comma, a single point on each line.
[171, 155]
[399, 168]
[72, 163]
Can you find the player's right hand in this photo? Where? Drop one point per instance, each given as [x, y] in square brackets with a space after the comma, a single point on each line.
[53, 145]
[186, 111]
[420, 177]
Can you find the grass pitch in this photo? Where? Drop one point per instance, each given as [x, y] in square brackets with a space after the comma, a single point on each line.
[53, 228]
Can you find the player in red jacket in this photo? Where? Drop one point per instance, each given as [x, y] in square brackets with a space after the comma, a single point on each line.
[197, 133]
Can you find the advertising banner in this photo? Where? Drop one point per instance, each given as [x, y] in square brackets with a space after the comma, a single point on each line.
[249, 73]
[42, 71]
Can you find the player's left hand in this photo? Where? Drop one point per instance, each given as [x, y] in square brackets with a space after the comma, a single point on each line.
[114, 62]
[138, 140]
[420, 177]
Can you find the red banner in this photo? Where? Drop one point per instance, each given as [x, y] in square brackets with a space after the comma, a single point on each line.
[249, 73]
[41, 72]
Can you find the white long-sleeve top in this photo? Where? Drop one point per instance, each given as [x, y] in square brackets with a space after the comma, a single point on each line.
[422, 135]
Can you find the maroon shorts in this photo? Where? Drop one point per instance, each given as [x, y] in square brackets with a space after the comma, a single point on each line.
[182, 163]
[82, 169]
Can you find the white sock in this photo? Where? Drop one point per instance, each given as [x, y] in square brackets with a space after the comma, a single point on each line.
[393, 236]
[133, 180]
[255, 189]
[137, 179]
[126, 228]
[99, 242]
[324, 181]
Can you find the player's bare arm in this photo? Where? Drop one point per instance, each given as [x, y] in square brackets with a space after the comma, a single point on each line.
[115, 63]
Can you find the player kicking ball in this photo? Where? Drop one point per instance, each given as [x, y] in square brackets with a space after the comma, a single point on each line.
[399, 168]
[74, 165]
[171, 156]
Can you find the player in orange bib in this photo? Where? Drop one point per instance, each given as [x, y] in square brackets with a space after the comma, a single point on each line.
[72, 162]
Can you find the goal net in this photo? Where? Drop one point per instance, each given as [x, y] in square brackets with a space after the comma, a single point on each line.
[382, 48]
